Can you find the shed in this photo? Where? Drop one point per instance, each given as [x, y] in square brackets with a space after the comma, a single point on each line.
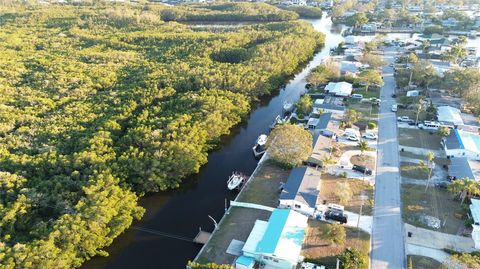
[448, 114]
[339, 88]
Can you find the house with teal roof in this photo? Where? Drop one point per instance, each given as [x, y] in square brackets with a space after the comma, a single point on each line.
[276, 243]
[462, 144]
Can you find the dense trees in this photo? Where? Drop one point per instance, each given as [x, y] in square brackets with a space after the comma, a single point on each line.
[101, 104]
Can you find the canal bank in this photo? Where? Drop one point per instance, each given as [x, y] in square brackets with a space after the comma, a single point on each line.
[182, 211]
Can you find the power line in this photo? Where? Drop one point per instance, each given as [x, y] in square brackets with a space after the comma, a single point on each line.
[155, 232]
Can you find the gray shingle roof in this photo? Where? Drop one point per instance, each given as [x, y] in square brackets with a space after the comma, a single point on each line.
[302, 186]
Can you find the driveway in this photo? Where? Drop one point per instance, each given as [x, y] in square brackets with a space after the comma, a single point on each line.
[388, 246]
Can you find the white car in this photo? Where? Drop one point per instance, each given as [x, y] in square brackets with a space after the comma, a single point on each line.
[394, 108]
[404, 119]
[371, 136]
[352, 137]
[309, 265]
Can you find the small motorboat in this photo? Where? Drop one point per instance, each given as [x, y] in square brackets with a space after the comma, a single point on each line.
[287, 106]
[278, 120]
[235, 181]
[259, 148]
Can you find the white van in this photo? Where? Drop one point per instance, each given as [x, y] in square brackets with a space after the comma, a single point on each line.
[429, 125]
[357, 96]
[394, 108]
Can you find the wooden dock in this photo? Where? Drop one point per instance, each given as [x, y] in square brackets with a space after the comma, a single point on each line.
[202, 237]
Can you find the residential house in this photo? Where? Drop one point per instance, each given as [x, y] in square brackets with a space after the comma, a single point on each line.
[329, 104]
[449, 115]
[450, 22]
[322, 149]
[301, 190]
[343, 88]
[462, 144]
[320, 123]
[462, 167]
[350, 67]
[275, 244]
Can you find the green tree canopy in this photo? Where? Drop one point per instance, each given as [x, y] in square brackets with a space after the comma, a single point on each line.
[289, 145]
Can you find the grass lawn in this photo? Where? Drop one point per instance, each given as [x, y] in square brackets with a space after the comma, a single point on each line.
[317, 246]
[362, 192]
[435, 202]
[264, 185]
[437, 160]
[364, 160]
[366, 108]
[421, 262]
[412, 170]
[418, 138]
[412, 114]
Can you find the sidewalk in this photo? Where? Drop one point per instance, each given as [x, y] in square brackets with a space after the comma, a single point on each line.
[436, 240]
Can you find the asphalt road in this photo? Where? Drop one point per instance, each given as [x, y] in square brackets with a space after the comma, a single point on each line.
[388, 246]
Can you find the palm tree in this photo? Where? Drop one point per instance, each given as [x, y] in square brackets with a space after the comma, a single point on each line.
[464, 188]
[430, 165]
[363, 146]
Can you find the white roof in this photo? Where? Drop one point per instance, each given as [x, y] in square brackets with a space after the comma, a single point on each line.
[319, 101]
[449, 114]
[288, 246]
[475, 210]
[255, 236]
[339, 88]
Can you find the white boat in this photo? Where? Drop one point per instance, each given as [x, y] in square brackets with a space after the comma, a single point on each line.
[278, 120]
[235, 181]
[259, 148]
[287, 106]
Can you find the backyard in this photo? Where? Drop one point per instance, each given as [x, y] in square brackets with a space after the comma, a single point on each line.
[437, 203]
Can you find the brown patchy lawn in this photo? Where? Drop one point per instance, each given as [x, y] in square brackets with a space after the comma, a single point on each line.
[363, 160]
[412, 170]
[435, 202]
[418, 138]
[328, 190]
[317, 246]
[424, 262]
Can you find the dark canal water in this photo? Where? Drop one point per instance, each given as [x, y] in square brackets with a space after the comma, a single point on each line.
[182, 211]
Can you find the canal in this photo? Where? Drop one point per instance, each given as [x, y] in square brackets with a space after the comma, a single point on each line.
[182, 211]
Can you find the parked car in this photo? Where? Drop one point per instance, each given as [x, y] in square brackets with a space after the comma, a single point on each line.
[362, 169]
[429, 125]
[371, 136]
[309, 265]
[404, 119]
[442, 185]
[357, 96]
[352, 137]
[394, 95]
[336, 216]
[394, 108]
